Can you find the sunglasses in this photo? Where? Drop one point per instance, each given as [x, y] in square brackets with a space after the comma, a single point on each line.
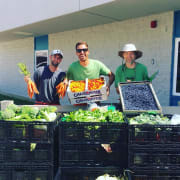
[79, 50]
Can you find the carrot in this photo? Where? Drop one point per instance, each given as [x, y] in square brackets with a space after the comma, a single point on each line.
[61, 89]
[31, 88]
[30, 91]
[35, 88]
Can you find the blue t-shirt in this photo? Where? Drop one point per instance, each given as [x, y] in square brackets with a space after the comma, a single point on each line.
[46, 82]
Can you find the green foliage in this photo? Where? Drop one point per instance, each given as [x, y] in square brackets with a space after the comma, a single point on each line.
[49, 109]
[7, 114]
[146, 118]
[94, 116]
[43, 115]
[28, 113]
[23, 69]
[14, 108]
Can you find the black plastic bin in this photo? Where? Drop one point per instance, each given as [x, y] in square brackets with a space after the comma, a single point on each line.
[31, 131]
[172, 174]
[153, 157]
[146, 134]
[26, 153]
[92, 155]
[26, 172]
[92, 132]
[86, 173]
[80, 144]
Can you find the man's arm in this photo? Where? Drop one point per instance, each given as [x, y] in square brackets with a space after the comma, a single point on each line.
[111, 80]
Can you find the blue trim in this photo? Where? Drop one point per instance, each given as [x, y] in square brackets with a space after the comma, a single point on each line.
[177, 22]
[176, 33]
[172, 64]
[41, 43]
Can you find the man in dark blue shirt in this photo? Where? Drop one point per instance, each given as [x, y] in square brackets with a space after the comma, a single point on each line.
[47, 78]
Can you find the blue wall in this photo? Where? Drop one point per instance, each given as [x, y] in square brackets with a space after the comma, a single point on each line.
[41, 43]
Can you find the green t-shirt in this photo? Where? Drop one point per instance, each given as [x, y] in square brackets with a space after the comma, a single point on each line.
[139, 73]
[94, 69]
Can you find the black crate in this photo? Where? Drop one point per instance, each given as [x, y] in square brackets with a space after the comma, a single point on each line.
[145, 134]
[26, 153]
[34, 131]
[92, 132]
[155, 175]
[26, 173]
[3, 131]
[92, 155]
[153, 157]
[81, 173]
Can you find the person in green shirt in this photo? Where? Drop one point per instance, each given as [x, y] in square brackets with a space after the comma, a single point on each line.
[130, 70]
[88, 68]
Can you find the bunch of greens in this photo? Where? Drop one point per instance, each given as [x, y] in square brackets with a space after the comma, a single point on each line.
[23, 69]
[94, 116]
[28, 113]
[146, 118]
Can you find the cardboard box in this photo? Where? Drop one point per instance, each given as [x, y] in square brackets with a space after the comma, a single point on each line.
[87, 96]
[138, 97]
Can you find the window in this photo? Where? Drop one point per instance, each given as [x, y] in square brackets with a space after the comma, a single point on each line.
[176, 77]
[41, 58]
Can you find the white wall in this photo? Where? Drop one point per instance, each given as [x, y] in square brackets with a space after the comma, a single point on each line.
[15, 14]
[106, 40]
[104, 43]
[11, 53]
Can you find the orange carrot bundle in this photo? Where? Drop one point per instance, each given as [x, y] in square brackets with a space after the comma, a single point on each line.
[31, 88]
[61, 89]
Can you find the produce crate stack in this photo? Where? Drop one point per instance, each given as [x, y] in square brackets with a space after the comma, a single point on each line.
[27, 149]
[81, 152]
[153, 147]
[153, 143]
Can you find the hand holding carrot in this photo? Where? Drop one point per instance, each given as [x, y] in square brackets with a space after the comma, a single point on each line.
[61, 89]
[26, 79]
[31, 86]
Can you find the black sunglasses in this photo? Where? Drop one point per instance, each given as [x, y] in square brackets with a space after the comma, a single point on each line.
[79, 50]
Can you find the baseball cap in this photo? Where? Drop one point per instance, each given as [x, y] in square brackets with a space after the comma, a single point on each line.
[56, 51]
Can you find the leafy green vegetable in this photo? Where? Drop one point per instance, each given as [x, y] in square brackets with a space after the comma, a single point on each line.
[49, 109]
[146, 118]
[154, 75]
[28, 113]
[23, 69]
[93, 116]
[7, 114]
[47, 113]
[14, 107]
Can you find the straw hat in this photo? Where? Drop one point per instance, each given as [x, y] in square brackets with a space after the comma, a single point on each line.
[130, 47]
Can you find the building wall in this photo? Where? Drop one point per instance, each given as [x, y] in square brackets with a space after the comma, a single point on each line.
[11, 53]
[106, 40]
[104, 43]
